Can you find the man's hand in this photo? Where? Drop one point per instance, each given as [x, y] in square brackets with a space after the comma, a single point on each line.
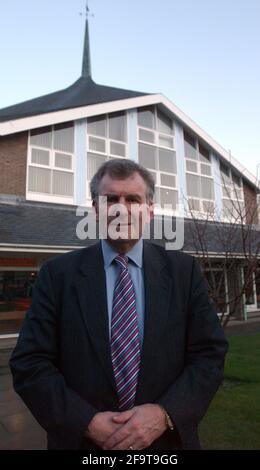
[139, 427]
[102, 426]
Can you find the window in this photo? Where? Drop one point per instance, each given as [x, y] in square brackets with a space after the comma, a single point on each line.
[156, 152]
[107, 138]
[232, 194]
[51, 152]
[200, 183]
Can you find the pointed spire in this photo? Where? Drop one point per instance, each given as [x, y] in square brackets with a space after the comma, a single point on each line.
[86, 63]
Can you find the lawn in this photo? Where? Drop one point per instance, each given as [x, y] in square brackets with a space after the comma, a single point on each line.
[233, 419]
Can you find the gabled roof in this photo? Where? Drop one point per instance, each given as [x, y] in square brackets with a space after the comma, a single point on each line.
[83, 92]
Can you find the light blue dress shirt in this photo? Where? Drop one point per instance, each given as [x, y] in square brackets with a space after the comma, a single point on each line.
[135, 267]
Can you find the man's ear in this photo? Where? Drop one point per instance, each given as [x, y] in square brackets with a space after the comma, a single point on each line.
[151, 210]
[95, 208]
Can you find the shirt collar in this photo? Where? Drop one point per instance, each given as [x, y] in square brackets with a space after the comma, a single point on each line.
[135, 254]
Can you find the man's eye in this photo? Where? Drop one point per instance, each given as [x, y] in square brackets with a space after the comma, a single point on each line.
[112, 199]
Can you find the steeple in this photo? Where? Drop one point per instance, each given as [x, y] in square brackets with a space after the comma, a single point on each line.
[86, 63]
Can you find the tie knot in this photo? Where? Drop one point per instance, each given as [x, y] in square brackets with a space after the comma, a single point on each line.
[122, 261]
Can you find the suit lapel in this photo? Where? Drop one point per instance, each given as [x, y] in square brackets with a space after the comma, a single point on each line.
[91, 290]
[158, 290]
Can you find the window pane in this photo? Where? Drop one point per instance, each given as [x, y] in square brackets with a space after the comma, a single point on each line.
[93, 164]
[146, 117]
[236, 180]
[167, 161]
[191, 166]
[208, 207]
[99, 145]
[168, 180]
[39, 180]
[165, 123]
[225, 173]
[207, 188]
[205, 169]
[41, 157]
[147, 136]
[62, 183]
[147, 156]
[203, 154]
[166, 141]
[117, 149]
[97, 126]
[64, 137]
[192, 185]
[41, 137]
[117, 126]
[168, 196]
[63, 161]
[194, 204]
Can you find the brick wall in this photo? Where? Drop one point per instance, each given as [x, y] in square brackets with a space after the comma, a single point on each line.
[250, 204]
[13, 157]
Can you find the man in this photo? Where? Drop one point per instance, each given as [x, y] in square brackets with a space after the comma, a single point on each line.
[121, 348]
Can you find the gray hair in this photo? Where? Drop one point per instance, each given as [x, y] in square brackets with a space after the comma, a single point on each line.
[119, 168]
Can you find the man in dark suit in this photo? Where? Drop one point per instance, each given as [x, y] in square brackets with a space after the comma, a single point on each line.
[121, 348]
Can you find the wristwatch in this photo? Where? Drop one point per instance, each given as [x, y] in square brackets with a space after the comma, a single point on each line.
[168, 420]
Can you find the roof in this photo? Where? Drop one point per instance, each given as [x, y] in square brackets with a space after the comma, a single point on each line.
[54, 226]
[83, 92]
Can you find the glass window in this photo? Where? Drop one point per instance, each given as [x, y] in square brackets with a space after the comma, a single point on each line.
[64, 137]
[190, 146]
[168, 180]
[97, 126]
[147, 156]
[191, 166]
[40, 157]
[94, 162]
[147, 136]
[117, 149]
[168, 196]
[204, 154]
[165, 124]
[62, 183]
[99, 145]
[193, 185]
[205, 169]
[146, 117]
[41, 137]
[117, 126]
[167, 161]
[63, 160]
[39, 180]
[236, 180]
[207, 188]
[194, 204]
[165, 141]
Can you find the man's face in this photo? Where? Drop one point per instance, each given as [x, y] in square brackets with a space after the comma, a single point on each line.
[124, 206]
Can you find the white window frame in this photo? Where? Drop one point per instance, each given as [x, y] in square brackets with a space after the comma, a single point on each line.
[156, 144]
[107, 153]
[233, 197]
[44, 197]
[201, 212]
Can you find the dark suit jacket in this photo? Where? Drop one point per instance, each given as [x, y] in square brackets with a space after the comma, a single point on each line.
[62, 367]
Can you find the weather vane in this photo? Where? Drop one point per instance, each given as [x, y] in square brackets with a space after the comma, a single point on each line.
[87, 13]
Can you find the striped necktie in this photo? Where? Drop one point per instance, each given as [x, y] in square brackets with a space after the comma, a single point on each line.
[125, 341]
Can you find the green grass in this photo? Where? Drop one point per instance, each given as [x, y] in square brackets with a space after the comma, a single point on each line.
[233, 419]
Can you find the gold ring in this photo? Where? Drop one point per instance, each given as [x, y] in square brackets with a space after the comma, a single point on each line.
[131, 448]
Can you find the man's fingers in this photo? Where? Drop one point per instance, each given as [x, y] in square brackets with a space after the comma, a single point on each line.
[123, 417]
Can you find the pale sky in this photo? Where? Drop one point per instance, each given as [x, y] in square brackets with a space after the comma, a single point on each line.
[204, 55]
